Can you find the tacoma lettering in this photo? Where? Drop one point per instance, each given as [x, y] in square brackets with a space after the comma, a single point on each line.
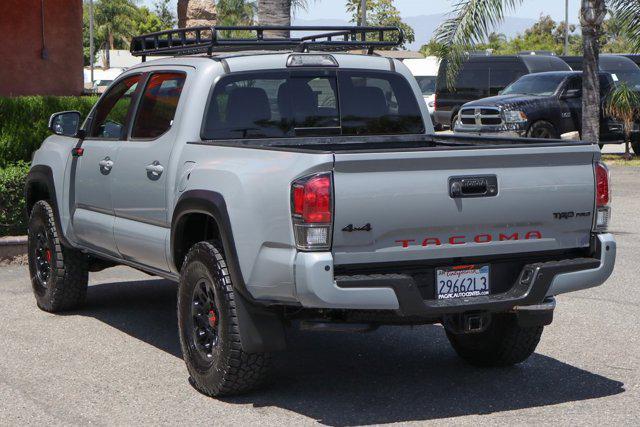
[478, 238]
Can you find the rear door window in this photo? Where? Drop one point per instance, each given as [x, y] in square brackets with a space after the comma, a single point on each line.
[283, 104]
[158, 105]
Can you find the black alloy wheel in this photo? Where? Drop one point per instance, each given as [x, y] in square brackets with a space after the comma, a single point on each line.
[43, 256]
[205, 318]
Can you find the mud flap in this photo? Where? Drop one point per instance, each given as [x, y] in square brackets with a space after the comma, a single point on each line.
[261, 330]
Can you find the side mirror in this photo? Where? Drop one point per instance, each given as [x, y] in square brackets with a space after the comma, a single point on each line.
[572, 93]
[66, 123]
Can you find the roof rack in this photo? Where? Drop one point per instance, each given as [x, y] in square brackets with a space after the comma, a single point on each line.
[194, 40]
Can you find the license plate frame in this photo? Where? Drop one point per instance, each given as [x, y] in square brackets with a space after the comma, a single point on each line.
[462, 281]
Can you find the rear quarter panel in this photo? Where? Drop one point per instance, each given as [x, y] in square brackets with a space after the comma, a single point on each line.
[255, 184]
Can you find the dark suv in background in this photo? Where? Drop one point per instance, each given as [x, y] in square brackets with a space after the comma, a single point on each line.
[485, 75]
[622, 67]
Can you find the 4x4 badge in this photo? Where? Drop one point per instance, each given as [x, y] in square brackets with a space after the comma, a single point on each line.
[350, 228]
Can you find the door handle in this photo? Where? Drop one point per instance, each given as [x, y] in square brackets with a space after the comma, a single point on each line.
[106, 165]
[155, 169]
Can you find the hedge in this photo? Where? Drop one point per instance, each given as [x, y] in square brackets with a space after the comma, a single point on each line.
[24, 120]
[13, 219]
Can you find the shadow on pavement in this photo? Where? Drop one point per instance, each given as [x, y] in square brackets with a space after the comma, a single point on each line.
[395, 374]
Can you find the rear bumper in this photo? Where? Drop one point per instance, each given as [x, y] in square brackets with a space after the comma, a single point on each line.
[317, 287]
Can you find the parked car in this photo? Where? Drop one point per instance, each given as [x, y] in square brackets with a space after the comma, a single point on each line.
[542, 105]
[485, 75]
[308, 189]
[426, 73]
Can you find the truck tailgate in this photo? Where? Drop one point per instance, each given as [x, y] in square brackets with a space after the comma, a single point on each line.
[397, 206]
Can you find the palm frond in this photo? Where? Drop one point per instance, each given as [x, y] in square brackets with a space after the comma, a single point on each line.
[470, 23]
[628, 12]
[623, 103]
[300, 5]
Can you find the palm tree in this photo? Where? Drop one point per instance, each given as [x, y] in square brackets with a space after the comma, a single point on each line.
[275, 12]
[473, 20]
[623, 104]
[114, 23]
[278, 12]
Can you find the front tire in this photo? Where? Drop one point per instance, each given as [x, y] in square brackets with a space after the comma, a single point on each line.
[635, 146]
[208, 325]
[542, 129]
[59, 275]
[503, 343]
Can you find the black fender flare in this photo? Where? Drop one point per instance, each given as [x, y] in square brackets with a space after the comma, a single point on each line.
[43, 175]
[261, 329]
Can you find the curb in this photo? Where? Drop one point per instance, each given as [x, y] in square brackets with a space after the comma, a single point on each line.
[12, 246]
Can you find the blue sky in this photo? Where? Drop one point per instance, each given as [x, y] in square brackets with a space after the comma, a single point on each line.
[529, 8]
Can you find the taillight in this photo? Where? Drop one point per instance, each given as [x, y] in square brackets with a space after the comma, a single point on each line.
[603, 197]
[311, 210]
[435, 102]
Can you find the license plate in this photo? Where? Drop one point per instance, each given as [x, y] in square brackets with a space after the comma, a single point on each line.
[462, 281]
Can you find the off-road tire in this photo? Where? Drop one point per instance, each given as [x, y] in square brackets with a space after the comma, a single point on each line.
[503, 343]
[542, 129]
[66, 285]
[231, 370]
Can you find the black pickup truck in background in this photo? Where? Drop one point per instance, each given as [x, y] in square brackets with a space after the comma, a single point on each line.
[485, 75]
[543, 105]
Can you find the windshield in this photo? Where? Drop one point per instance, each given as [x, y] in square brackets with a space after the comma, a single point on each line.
[427, 84]
[535, 84]
[631, 78]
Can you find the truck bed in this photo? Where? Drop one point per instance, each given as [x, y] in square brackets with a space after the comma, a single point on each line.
[330, 144]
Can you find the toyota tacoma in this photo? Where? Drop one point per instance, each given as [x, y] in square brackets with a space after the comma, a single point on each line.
[288, 184]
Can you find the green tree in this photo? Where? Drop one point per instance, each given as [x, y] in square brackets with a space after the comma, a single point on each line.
[382, 13]
[623, 104]
[236, 12]
[162, 8]
[544, 35]
[146, 21]
[472, 21]
[116, 21]
[114, 24]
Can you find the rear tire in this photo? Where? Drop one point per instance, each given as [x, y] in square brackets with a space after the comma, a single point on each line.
[503, 343]
[542, 129]
[59, 274]
[208, 325]
[635, 145]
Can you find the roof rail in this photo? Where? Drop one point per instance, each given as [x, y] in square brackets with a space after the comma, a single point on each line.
[193, 40]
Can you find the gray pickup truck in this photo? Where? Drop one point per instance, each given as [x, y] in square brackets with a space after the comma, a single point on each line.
[306, 187]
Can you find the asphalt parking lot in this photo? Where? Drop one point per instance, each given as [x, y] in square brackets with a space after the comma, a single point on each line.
[117, 361]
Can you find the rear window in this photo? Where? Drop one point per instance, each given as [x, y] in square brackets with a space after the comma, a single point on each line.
[283, 104]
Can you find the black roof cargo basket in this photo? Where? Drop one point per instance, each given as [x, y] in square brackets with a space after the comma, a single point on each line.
[193, 40]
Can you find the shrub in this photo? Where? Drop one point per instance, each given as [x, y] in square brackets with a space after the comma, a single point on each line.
[24, 120]
[13, 219]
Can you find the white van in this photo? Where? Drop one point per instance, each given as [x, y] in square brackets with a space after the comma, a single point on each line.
[425, 71]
